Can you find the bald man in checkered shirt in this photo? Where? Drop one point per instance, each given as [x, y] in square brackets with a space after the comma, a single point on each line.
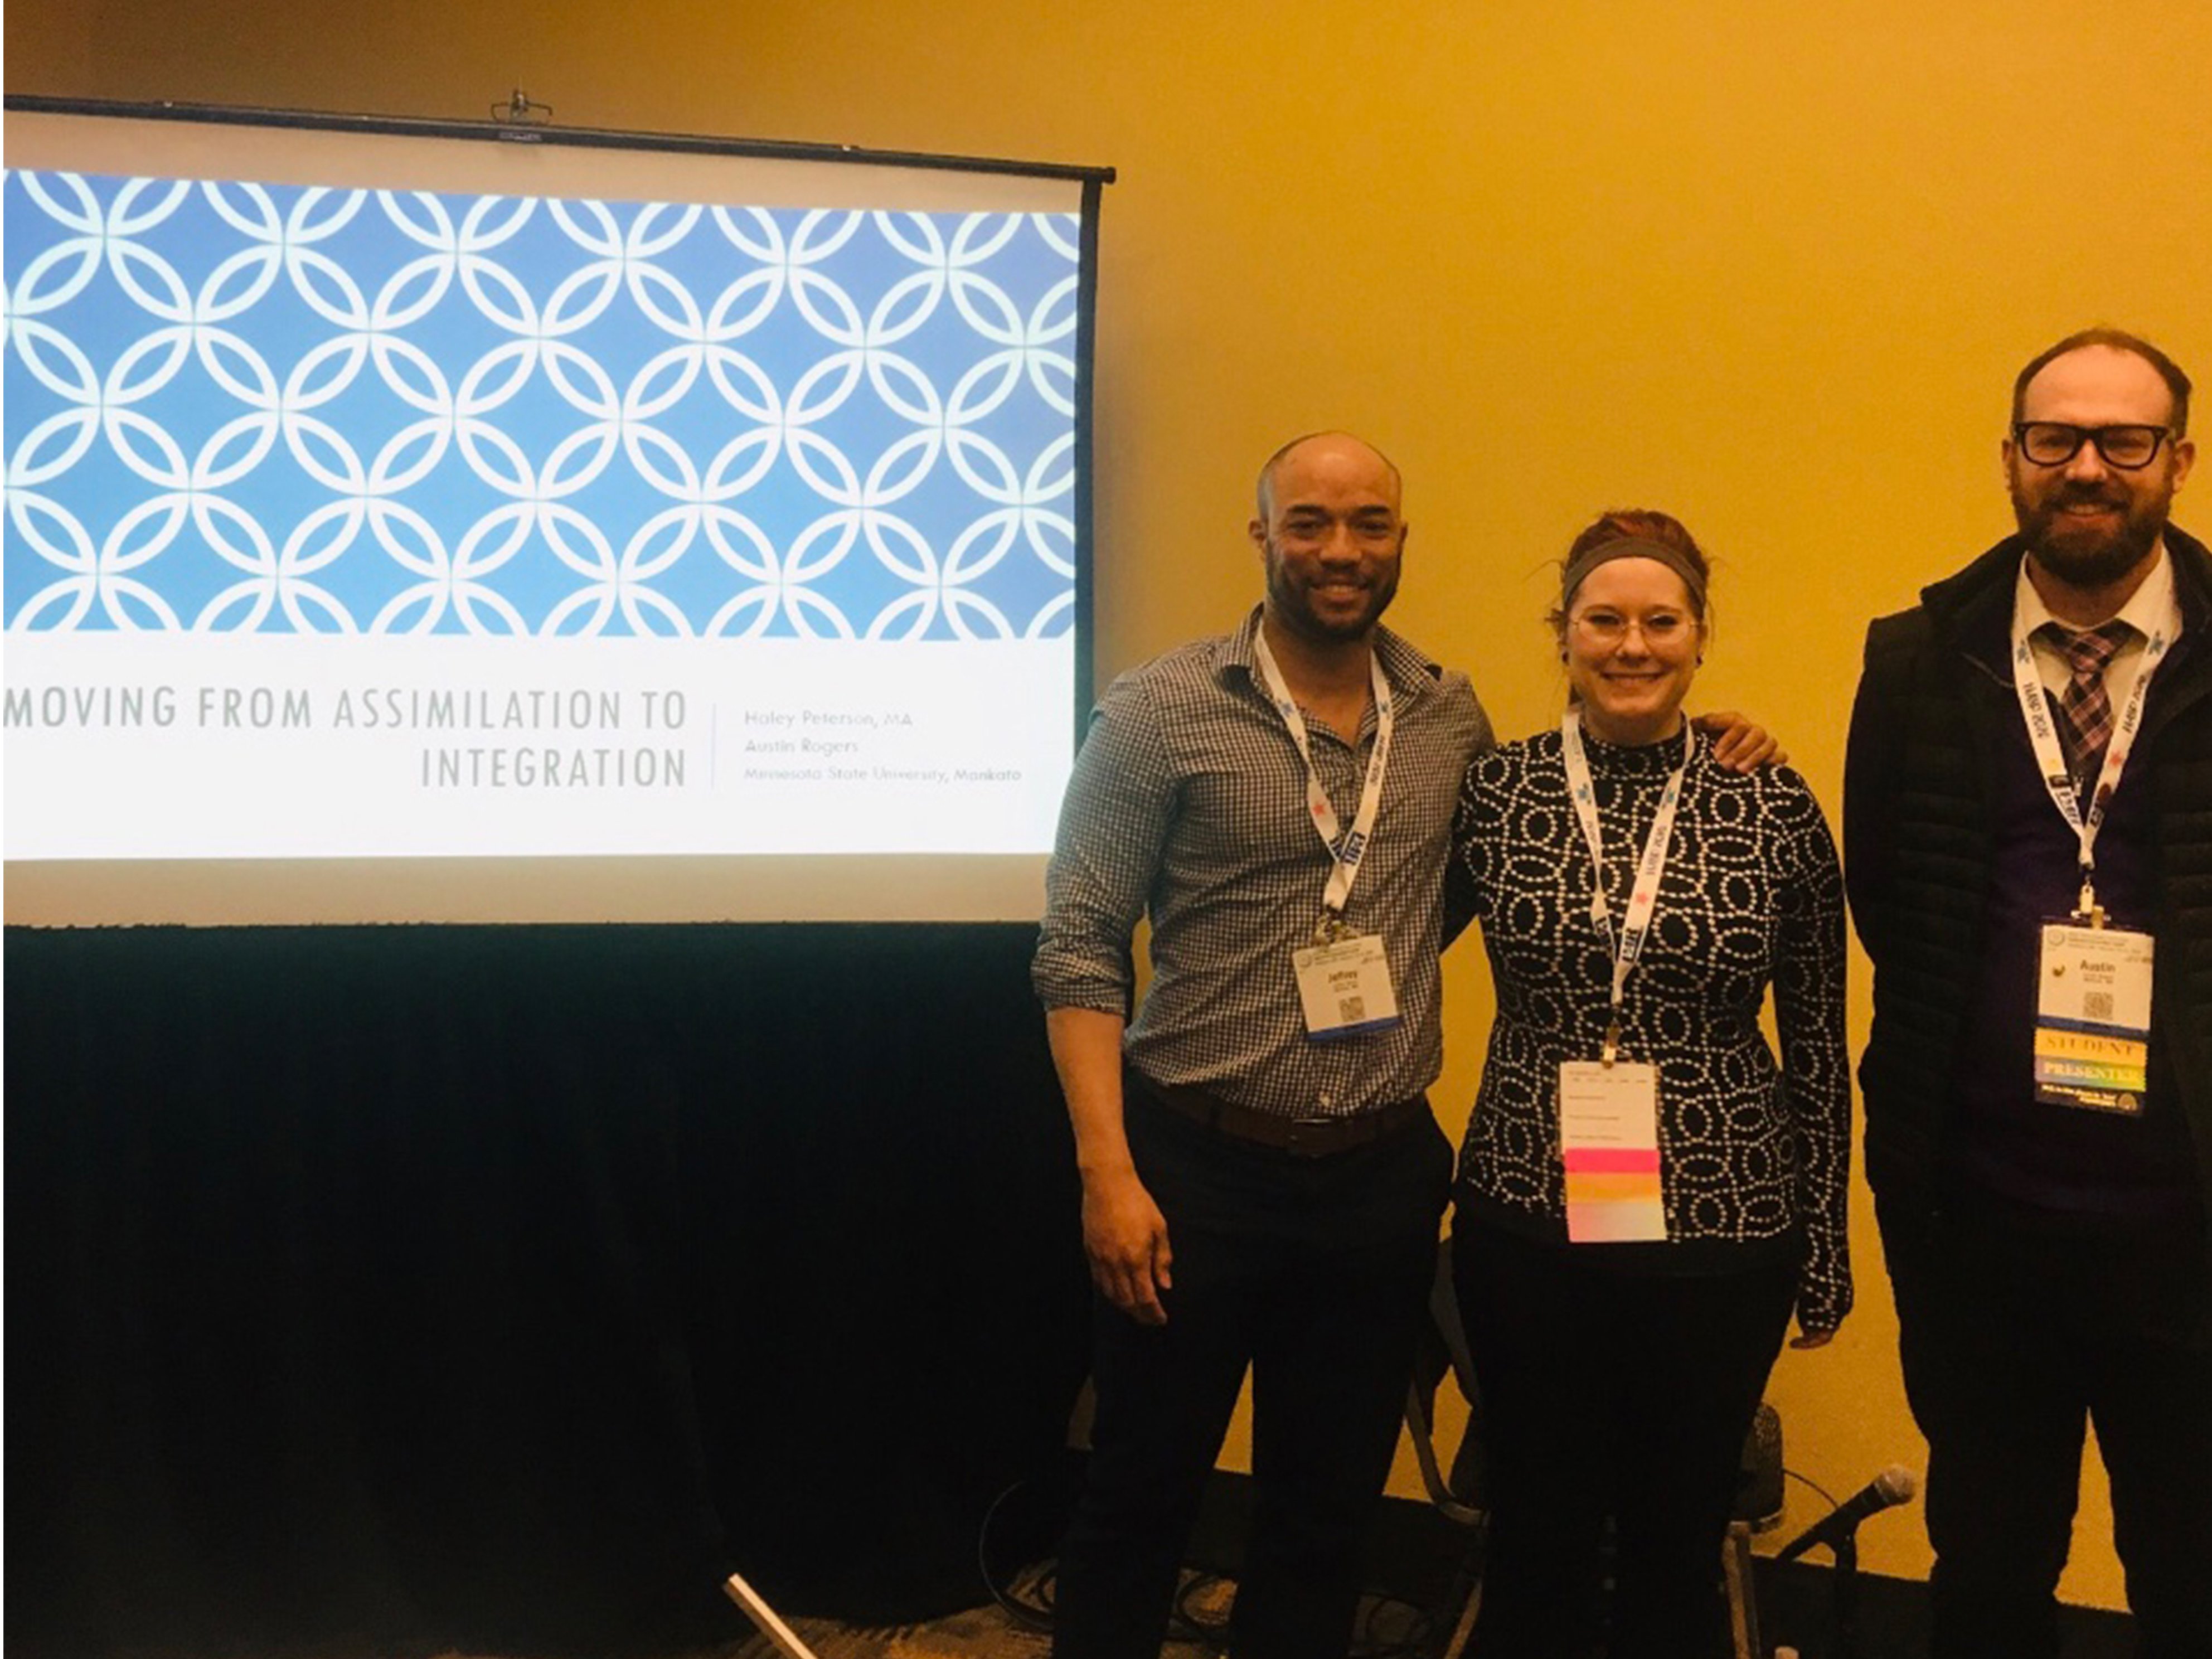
[1252, 1195]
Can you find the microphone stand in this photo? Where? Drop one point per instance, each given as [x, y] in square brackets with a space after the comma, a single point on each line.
[1846, 1603]
[1838, 1530]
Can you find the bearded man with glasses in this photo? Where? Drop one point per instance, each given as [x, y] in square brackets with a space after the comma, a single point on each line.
[2028, 851]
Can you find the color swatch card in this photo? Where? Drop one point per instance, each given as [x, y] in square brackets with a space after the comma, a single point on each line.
[1609, 1144]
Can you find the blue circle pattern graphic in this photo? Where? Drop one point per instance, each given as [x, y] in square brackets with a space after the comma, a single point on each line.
[245, 408]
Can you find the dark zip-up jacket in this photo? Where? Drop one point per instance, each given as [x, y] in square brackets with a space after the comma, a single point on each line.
[1935, 702]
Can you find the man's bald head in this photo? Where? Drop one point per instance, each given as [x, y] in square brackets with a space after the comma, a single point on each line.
[1274, 464]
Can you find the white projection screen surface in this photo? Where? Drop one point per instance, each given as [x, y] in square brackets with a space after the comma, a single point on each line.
[430, 524]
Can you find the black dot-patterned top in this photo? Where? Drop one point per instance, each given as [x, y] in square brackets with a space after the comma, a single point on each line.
[1753, 1157]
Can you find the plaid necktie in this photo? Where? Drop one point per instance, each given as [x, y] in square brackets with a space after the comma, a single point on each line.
[2085, 710]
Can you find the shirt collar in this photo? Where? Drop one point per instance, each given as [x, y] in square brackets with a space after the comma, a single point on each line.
[2151, 607]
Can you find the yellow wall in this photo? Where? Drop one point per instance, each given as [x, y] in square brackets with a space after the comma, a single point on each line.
[1769, 266]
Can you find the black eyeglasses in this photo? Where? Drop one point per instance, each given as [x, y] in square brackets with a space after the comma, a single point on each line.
[2054, 443]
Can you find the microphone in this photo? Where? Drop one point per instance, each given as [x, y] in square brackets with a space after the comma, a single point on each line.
[1894, 1484]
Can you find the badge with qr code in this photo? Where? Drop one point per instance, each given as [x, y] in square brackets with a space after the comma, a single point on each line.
[1345, 988]
[2093, 1018]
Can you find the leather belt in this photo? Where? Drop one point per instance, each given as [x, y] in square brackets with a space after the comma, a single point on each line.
[1302, 1136]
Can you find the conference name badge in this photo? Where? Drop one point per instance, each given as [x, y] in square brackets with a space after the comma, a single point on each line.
[1344, 987]
[2093, 1018]
[1609, 1144]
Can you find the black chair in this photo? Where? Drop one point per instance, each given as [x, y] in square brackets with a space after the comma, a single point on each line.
[1457, 1494]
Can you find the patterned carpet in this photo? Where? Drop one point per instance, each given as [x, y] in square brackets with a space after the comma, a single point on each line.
[979, 1633]
[985, 1633]
[1387, 1627]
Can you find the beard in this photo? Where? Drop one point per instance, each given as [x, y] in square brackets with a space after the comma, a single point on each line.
[2090, 554]
[1288, 601]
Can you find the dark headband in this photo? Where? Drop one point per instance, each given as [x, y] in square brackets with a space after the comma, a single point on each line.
[1633, 547]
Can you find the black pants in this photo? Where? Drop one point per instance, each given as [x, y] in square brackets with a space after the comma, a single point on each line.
[2013, 1339]
[1313, 1272]
[1605, 1392]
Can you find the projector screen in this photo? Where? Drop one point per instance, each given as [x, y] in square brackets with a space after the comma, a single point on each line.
[496, 523]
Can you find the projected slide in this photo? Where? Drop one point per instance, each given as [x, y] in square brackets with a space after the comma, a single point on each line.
[350, 522]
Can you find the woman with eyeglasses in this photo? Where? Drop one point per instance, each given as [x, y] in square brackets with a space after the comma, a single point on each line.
[1645, 1196]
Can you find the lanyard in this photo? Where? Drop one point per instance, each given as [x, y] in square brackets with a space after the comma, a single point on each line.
[1345, 850]
[2050, 760]
[1636, 926]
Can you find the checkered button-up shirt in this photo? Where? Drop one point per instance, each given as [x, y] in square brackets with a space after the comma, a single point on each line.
[1188, 803]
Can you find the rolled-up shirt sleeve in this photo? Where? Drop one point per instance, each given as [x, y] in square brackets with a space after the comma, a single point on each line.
[1113, 825]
